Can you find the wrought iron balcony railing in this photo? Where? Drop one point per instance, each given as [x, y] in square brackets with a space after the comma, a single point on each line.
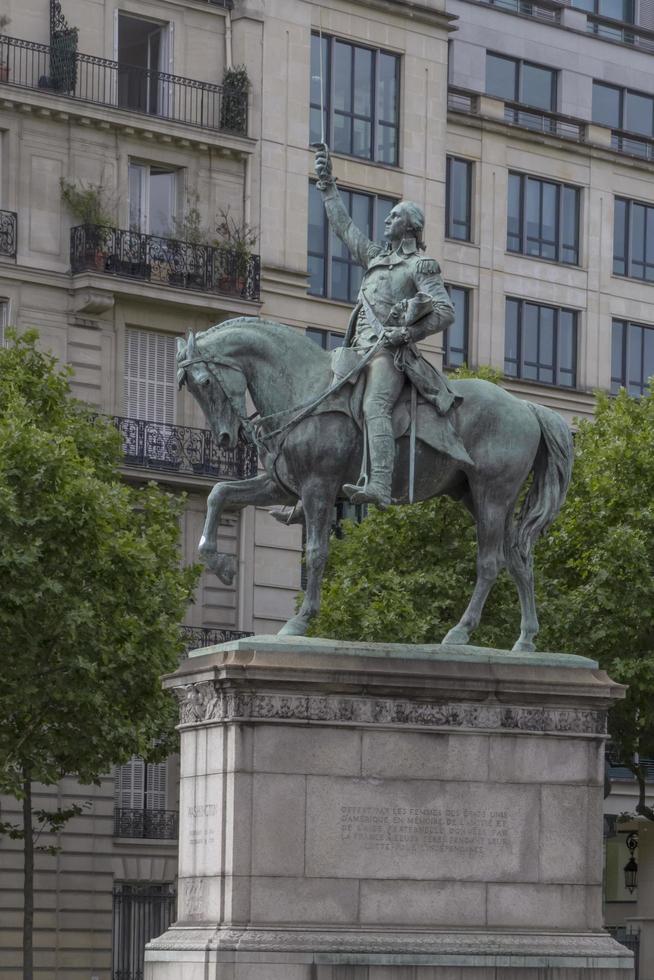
[164, 261]
[205, 636]
[8, 233]
[184, 450]
[65, 71]
[151, 824]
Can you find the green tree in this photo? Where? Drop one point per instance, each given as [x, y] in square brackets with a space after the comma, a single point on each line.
[405, 575]
[91, 600]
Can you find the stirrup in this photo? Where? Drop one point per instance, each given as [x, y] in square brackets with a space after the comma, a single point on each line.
[366, 493]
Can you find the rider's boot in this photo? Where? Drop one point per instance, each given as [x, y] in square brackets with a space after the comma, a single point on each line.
[289, 515]
[381, 443]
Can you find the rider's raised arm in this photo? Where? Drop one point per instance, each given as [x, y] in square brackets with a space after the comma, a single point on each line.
[430, 310]
[358, 244]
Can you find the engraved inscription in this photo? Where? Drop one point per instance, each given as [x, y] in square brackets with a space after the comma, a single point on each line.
[200, 831]
[384, 828]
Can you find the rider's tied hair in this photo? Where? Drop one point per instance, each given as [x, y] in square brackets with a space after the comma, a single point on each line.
[416, 217]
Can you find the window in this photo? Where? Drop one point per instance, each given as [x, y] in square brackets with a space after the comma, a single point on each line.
[455, 338]
[360, 97]
[458, 199]
[633, 240]
[150, 375]
[332, 270]
[144, 50]
[327, 339]
[632, 357]
[152, 198]
[141, 911]
[520, 81]
[614, 9]
[540, 343]
[543, 219]
[623, 108]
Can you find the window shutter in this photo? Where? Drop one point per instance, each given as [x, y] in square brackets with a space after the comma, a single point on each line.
[150, 376]
[129, 784]
[157, 781]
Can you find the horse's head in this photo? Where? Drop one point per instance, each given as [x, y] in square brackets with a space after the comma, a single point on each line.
[218, 385]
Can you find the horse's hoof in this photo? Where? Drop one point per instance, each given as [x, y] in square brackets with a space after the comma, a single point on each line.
[456, 637]
[297, 626]
[524, 646]
[224, 566]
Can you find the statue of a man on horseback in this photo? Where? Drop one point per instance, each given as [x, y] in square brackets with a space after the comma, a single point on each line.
[402, 299]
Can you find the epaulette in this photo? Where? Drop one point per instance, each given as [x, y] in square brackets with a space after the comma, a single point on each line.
[428, 267]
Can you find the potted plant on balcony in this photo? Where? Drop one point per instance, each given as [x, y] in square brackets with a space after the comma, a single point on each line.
[235, 241]
[63, 60]
[4, 68]
[234, 103]
[87, 203]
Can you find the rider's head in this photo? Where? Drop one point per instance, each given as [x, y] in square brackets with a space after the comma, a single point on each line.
[405, 220]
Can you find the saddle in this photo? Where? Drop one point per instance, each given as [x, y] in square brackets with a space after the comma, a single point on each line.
[432, 428]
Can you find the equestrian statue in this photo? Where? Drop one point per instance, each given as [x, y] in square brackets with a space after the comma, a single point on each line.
[374, 422]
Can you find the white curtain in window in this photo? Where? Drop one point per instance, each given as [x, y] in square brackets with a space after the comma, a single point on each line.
[150, 376]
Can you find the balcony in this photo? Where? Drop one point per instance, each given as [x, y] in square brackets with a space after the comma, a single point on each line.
[149, 824]
[206, 636]
[8, 233]
[517, 114]
[179, 449]
[99, 81]
[164, 261]
[548, 10]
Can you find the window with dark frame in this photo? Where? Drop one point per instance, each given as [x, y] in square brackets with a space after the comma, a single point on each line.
[543, 219]
[622, 10]
[333, 272]
[633, 239]
[520, 81]
[540, 343]
[360, 98]
[623, 108]
[632, 357]
[455, 338]
[458, 199]
[327, 339]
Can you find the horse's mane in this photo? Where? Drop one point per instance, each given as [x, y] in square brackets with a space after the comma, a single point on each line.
[286, 336]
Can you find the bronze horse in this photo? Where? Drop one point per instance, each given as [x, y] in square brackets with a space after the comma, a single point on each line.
[308, 458]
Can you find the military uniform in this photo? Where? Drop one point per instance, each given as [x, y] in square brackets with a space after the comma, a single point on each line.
[401, 276]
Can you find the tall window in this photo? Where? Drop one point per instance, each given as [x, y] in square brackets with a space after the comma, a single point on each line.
[458, 199]
[150, 375]
[520, 81]
[540, 343]
[360, 96]
[140, 786]
[543, 219]
[632, 357]
[152, 198]
[327, 339]
[623, 108]
[145, 48]
[633, 239]
[455, 338]
[332, 271]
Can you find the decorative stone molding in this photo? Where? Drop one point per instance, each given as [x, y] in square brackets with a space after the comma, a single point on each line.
[206, 701]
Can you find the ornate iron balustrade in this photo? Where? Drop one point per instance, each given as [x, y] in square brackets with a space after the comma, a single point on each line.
[181, 449]
[206, 636]
[62, 70]
[150, 824]
[8, 233]
[164, 261]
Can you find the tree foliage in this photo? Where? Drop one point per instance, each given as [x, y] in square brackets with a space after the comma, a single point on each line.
[406, 574]
[92, 590]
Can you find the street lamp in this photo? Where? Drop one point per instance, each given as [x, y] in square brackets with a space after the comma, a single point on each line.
[631, 867]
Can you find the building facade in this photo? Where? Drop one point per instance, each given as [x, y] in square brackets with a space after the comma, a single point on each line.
[516, 126]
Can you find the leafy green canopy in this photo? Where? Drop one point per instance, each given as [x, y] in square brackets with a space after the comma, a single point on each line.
[91, 593]
[406, 574]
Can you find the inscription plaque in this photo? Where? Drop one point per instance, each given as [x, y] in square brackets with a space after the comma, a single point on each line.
[430, 828]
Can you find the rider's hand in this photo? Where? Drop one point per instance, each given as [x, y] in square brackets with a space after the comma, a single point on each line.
[323, 163]
[395, 336]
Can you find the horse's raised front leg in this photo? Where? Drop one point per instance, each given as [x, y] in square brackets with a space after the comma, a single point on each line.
[318, 504]
[260, 490]
[491, 520]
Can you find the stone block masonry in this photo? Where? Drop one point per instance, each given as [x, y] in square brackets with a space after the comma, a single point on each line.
[379, 812]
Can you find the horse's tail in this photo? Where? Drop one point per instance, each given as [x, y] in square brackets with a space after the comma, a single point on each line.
[552, 470]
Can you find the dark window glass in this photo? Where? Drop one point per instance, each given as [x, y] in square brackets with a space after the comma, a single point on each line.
[632, 357]
[540, 343]
[538, 87]
[633, 240]
[332, 271]
[458, 205]
[607, 105]
[543, 219]
[502, 77]
[455, 338]
[638, 114]
[615, 9]
[360, 98]
[327, 339]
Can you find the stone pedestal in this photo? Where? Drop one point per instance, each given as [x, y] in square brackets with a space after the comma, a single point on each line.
[379, 812]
